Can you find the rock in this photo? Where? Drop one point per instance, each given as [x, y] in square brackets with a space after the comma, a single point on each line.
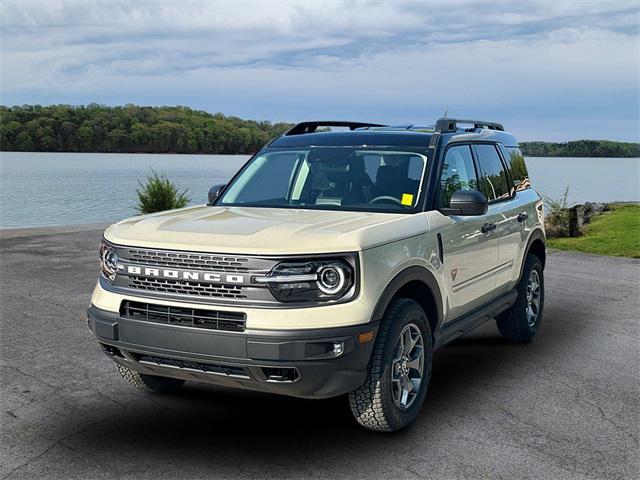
[593, 208]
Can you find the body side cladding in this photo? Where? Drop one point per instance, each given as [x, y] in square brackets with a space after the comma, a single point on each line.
[464, 324]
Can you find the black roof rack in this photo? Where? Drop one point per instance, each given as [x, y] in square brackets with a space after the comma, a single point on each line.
[310, 127]
[445, 125]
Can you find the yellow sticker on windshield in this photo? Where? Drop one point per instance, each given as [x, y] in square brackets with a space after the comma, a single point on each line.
[407, 199]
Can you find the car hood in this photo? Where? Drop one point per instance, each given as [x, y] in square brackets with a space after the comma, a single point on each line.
[264, 231]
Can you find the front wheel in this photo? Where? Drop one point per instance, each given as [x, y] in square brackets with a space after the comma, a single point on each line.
[521, 322]
[399, 371]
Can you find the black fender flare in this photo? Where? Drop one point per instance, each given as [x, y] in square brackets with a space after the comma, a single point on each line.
[410, 274]
[537, 234]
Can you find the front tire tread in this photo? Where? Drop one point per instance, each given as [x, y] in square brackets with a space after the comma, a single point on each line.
[149, 383]
[371, 404]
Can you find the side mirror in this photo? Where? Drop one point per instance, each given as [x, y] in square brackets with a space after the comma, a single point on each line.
[214, 193]
[467, 202]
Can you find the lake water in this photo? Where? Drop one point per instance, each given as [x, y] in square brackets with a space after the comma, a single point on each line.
[40, 189]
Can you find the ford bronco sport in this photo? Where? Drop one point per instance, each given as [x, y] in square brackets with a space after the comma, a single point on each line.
[333, 263]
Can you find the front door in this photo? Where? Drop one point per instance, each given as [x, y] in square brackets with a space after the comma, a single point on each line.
[470, 244]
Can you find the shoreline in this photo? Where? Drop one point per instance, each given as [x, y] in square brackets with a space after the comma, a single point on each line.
[251, 154]
[43, 230]
[169, 153]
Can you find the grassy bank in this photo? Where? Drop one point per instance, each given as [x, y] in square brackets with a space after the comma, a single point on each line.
[616, 232]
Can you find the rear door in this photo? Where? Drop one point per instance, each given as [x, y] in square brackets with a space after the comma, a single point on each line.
[496, 184]
[470, 253]
[519, 214]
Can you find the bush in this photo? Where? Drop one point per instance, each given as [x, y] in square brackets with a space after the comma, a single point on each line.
[556, 222]
[159, 194]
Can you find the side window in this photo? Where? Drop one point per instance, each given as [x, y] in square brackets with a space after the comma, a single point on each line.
[458, 173]
[517, 167]
[493, 177]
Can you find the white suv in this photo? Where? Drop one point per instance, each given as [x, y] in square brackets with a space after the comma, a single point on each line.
[333, 263]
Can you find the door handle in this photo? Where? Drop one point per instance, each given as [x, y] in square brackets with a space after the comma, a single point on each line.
[488, 227]
[522, 217]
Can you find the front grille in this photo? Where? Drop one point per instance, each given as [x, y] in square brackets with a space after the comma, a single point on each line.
[226, 290]
[185, 287]
[189, 317]
[189, 260]
[215, 368]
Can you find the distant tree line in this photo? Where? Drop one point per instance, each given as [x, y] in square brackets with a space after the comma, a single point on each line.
[135, 129]
[131, 128]
[581, 148]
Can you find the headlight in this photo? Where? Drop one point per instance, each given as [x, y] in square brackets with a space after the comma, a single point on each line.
[311, 280]
[108, 260]
[332, 278]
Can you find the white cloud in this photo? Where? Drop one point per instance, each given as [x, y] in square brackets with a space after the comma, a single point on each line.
[294, 60]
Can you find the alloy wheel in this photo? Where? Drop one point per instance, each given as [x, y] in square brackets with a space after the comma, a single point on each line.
[534, 290]
[407, 367]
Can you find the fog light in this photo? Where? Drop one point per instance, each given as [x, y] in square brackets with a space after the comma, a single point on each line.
[338, 348]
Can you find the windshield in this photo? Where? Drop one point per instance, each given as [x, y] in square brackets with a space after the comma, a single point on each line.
[329, 178]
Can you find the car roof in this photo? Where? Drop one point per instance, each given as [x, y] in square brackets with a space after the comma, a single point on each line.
[355, 138]
[390, 137]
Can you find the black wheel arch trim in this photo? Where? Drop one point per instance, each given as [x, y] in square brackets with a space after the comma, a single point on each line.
[410, 274]
[537, 234]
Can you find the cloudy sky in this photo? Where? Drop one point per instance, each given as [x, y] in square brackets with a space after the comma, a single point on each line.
[549, 70]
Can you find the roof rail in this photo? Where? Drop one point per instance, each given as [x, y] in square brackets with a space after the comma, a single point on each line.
[310, 127]
[445, 125]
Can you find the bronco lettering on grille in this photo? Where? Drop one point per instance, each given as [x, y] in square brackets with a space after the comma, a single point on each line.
[212, 277]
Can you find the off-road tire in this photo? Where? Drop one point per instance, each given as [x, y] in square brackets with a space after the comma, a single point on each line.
[513, 323]
[149, 383]
[372, 404]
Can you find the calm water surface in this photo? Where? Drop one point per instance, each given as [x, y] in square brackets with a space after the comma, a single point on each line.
[38, 189]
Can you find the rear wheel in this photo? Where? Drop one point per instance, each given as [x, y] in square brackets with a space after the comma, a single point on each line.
[149, 383]
[521, 322]
[399, 371]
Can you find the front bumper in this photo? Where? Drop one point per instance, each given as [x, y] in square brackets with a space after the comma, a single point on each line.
[299, 363]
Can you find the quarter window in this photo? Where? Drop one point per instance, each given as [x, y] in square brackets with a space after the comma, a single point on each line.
[493, 177]
[458, 173]
[517, 168]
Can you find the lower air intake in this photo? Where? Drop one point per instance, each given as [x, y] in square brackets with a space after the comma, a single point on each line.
[217, 369]
[189, 317]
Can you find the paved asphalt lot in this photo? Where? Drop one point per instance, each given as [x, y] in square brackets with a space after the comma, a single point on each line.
[564, 406]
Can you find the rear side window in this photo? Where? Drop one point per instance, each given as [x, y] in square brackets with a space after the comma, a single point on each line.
[458, 173]
[517, 167]
[493, 176]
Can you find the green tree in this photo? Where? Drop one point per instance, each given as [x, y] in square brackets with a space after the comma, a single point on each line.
[581, 148]
[132, 128]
